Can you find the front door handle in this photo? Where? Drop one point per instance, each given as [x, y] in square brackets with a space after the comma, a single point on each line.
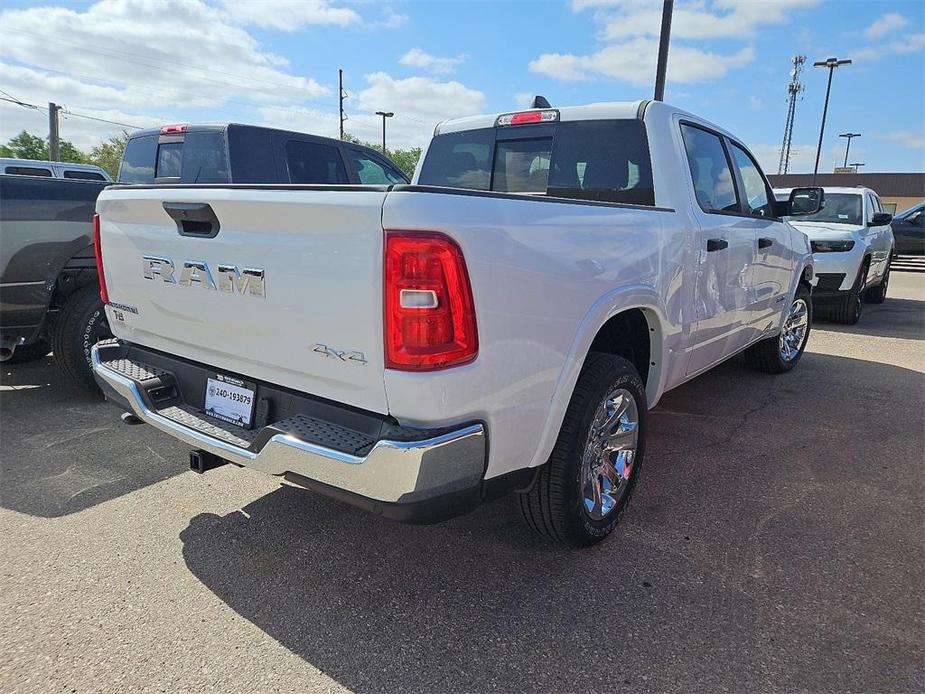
[716, 245]
[764, 243]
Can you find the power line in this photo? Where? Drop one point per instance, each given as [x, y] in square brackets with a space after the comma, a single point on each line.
[68, 113]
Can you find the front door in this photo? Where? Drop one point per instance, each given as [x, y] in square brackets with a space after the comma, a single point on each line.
[723, 293]
[773, 266]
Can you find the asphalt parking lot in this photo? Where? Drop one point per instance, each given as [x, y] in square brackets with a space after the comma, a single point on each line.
[776, 542]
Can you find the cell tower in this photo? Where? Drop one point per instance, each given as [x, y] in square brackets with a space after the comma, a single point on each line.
[794, 89]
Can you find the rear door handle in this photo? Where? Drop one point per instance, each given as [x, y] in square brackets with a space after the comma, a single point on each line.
[716, 245]
[764, 243]
[194, 218]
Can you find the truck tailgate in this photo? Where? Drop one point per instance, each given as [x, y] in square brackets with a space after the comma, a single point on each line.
[316, 328]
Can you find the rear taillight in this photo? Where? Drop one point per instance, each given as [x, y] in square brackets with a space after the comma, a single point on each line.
[98, 252]
[429, 312]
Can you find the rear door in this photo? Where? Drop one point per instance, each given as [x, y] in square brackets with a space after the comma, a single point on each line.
[724, 293]
[279, 285]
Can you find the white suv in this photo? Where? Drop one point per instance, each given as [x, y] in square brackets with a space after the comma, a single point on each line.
[852, 245]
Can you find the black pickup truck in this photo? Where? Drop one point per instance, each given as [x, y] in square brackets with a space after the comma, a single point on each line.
[49, 298]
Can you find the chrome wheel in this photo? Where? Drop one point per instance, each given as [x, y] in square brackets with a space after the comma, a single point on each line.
[793, 334]
[607, 460]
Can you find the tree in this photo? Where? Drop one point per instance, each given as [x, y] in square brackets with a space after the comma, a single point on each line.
[27, 146]
[108, 154]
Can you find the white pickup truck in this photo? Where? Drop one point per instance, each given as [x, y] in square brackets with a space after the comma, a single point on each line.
[502, 324]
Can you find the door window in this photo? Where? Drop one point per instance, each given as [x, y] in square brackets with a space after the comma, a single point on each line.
[84, 175]
[371, 172]
[28, 171]
[756, 194]
[710, 170]
[310, 162]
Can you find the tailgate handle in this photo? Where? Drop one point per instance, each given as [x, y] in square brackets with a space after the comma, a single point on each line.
[193, 218]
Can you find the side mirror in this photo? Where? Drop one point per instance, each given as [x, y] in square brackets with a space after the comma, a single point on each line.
[880, 219]
[805, 201]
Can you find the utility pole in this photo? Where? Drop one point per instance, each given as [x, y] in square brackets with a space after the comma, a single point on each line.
[662, 67]
[54, 145]
[831, 64]
[384, 114]
[848, 146]
[794, 89]
[341, 97]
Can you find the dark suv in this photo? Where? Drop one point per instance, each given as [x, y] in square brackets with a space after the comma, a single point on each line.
[234, 153]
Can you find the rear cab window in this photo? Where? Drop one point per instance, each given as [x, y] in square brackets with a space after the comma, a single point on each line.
[193, 157]
[600, 160]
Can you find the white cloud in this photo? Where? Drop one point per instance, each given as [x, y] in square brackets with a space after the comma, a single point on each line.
[523, 99]
[418, 103]
[907, 138]
[634, 62]
[733, 19]
[289, 15]
[755, 103]
[630, 30]
[440, 66]
[143, 60]
[884, 25]
[909, 43]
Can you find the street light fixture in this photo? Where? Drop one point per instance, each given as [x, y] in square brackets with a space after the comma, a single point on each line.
[384, 114]
[848, 146]
[857, 165]
[831, 64]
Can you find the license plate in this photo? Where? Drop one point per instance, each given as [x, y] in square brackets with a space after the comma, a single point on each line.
[230, 400]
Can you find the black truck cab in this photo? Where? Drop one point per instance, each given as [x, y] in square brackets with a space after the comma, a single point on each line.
[235, 153]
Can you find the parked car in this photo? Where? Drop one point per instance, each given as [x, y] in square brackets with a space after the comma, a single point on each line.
[53, 169]
[502, 325]
[852, 246]
[909, 230]
[235, 153]
[49, 296]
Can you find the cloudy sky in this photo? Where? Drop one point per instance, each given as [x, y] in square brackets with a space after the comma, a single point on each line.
[275, 62]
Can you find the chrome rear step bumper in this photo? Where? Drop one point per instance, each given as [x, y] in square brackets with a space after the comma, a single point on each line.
[449, 464]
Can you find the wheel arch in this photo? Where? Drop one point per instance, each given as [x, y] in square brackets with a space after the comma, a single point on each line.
[629, 323]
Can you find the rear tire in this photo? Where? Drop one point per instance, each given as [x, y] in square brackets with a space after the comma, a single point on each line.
[770, 354]
[877, 295]
[582, 490]
[32, 352]
[80, 324]
[848, 311]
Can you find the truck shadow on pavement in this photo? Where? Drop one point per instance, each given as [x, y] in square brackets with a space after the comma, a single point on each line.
[773, 543]
[61, 452]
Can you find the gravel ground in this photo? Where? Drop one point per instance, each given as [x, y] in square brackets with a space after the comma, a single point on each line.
[775, 543]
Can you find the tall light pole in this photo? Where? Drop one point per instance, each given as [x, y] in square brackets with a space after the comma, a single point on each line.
[384, 114]
[662, 66]
[831, 64]
[848, 146]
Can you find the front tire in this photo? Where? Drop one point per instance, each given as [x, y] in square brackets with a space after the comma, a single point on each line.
[877, 295]
[778, 354]
[848, 311]
[80, 324]
[582, 490]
